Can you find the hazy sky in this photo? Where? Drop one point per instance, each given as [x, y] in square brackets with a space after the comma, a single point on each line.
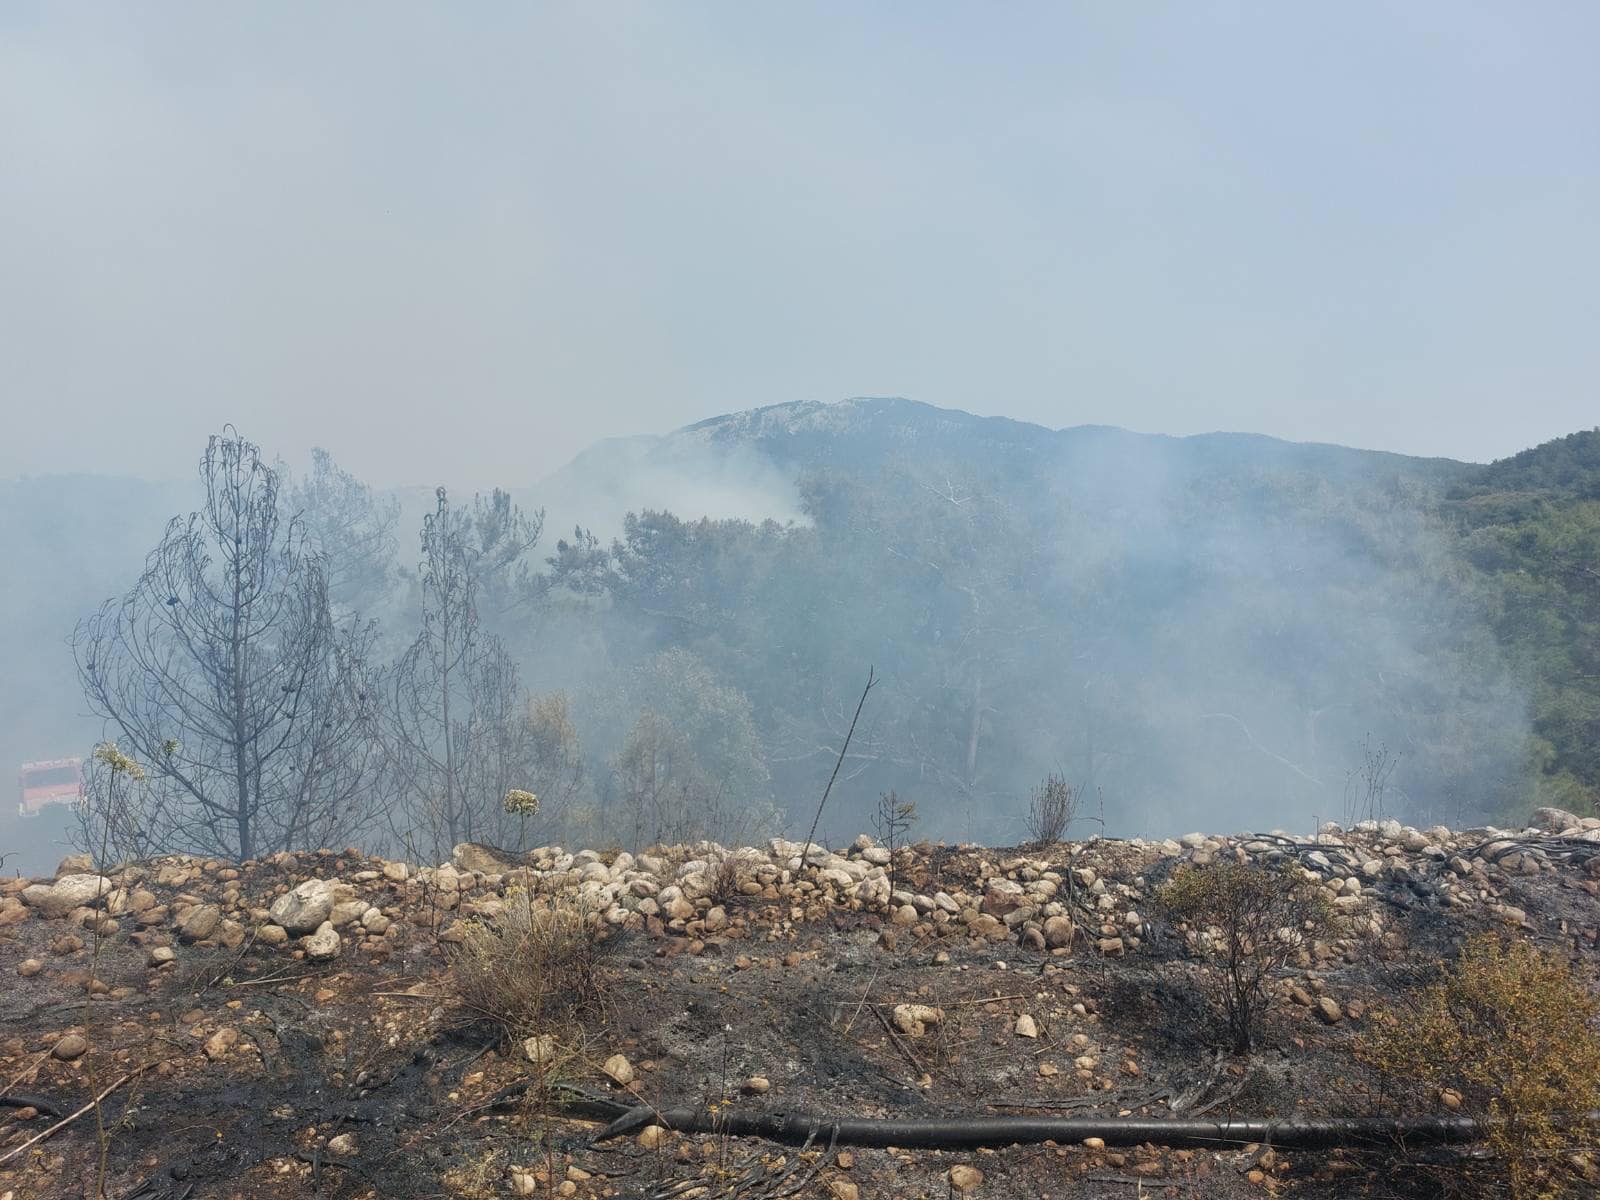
[462, 241]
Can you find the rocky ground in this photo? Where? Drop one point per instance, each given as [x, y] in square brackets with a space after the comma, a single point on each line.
[286, 1027]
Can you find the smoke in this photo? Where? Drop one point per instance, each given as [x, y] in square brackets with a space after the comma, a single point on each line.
[1218, 632]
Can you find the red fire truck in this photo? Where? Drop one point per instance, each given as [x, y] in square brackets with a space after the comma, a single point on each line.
[54, 781]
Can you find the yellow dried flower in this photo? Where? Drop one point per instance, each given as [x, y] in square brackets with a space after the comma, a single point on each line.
[521, 803]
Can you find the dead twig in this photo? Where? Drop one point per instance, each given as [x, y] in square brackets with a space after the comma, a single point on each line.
[896, 1039]
[65, 1121]
[812, 836]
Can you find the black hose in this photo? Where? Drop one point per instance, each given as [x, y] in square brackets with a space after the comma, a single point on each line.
[28, 1100]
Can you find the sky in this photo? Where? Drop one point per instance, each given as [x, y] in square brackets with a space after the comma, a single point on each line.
[462, 242]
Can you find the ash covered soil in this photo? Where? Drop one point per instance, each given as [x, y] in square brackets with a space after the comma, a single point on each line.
[286, 1027]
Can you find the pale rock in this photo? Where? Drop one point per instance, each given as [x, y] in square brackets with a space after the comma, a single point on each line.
[346, 912]
[541, 1049]
[619, 1069]
[913, 1019]
[220, 1042]
[66, 893]
[1058, 931]
[964, 1178]
[200, 922]
[75, 864]
[323, 945]
[1026, 1027]
[304, 907]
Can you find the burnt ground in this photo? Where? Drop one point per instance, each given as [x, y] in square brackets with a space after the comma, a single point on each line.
[251, 1071]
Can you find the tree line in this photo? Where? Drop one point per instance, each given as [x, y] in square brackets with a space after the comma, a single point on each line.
[1235, 647]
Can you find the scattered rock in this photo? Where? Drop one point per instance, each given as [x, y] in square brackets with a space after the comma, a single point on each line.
[965, 1178]
[70, 1048]
[651, 1136]
[29, 967]
[619, 1069]
[200, 922]
[304, 907]
[913, 1019]
[66, 893]
[77, 864]
[541, 1049]
[220, 1042]
[1025, 1027]
[1328, 1010]
[1058, 931]
[324, 944]
[1554, 820]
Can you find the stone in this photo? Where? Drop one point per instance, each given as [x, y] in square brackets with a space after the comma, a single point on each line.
[541, 1049]
[396, 872]
[1026, 1027]
[1058, 931]
[75, 864]
[1111, 946]
[1094, 1143]
[473, 856]
[200, 922]
[756, 1085]
[324, 944]
[70, 1048]
[29, 967]
[964, 1178]
[913, 1019]
[162, 955]
[347, 912]
[651, 1136]
[1001, 897]
[66, 893]
[304, 907]
[1328, 1010]
[344, 1145]
[272, 935]
[619, 1069]
[219, 1043]
[843, 1189]
[1554, 820]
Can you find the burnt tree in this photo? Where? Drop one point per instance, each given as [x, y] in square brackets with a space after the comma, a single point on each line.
[223, 670]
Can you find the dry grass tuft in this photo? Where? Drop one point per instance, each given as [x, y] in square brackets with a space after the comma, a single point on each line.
[1051, 808]
[538, 966]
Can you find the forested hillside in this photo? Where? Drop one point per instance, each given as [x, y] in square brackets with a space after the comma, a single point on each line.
[1218, 631]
